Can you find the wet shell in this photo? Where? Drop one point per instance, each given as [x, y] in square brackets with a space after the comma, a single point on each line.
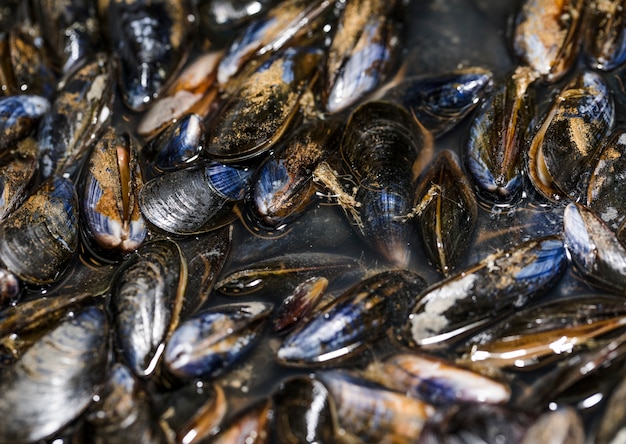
[304, 412]
[594, 249]
[436, 381]
[569, 137]
[280, 272]
[251, 425]
[380, 147]
[206, 420]
[70, 29]
[562, 426]
[352, 321]
[283, 184]
[286, 24]
[441, 101]
[605, 34]
[56, 379]
[18, 168]
[79, 111]
[300, 303]
[25, 66]
[18, 116]
[110, 198]
[540, 334]
[606, 194]
[209, 343]
[151, 40]
[476, 296]
[497, 137]
[146, 302]
[257, 115]
[368, 412]
[38, 240]
[363, 53]
[547, 36]
[447, 220]
[191, 92]
[211, 189]
[123, 412]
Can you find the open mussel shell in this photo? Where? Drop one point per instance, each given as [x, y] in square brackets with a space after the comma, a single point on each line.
[146, 302]
[18, 116]
[352, 321]
[211, 189]
[210, 342]
[368, 412]
[259, 112]
[364, 51]
[441, 101]
[501, 282]
[304, 412]
[436, 381]
[286, 24]
[547, 36]
[80, 110]
[497, 138]
[109, 204]
[282, 185]
[151, 40]
[543, 333]
[380, 148]
[70, 29]
[122, 412]
[39, 239]
[447, 216]
[605, 34]
[55, 379]
[594, 249]
[568, 139]
[18, 170]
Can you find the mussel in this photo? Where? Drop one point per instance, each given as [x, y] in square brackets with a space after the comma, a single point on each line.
[547, 36]
[18, 170]
[18, 116]
[39, 239]
[56, 379]
[109, 204]
[78, 113]
[211, 191]
[605, 34]
[360, 316]
[494, 150]
[380, 148]
[151, 40]
[364, 51]
[447, 216]
[501, 282]
[146, 302]
[259, 112]
[569, 137]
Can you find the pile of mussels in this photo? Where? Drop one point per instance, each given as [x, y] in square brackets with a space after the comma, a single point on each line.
[238, 222]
